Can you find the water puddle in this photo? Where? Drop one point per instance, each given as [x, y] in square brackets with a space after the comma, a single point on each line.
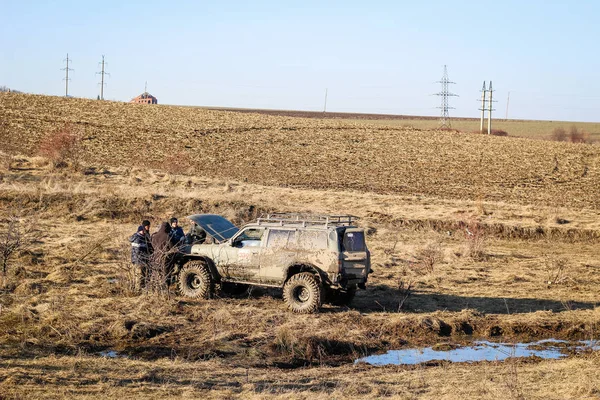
[482, 351]
[111, 354]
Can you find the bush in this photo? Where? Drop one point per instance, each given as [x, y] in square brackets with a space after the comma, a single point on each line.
[575, 135]
[499, 132]
[559, 134]
[495, 132]
[578, 136]
[428, 257]
[62, 147]
[475, 241]
[15, 236]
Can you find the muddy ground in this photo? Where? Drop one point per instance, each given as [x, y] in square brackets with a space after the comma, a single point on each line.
[66, 302]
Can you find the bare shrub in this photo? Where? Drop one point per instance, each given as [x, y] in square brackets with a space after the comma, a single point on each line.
[428, 257]
[157, 277]
[15, 236]
[557, 270]
[62, 147]
[578, 136]
[475, 241]
[151, 279]
[512, 383]
[405, 285]
[128, 275]
[499, 132]
[559, 134]
[494, 132]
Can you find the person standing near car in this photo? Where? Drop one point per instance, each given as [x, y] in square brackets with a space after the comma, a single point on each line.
[141, 250]
[176, 233]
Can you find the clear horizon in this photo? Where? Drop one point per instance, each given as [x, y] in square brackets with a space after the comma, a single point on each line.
[382, 58]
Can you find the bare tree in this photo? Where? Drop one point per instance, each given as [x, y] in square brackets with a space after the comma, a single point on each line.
[15, 236]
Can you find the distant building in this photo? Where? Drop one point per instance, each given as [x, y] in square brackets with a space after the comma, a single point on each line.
[145, 98]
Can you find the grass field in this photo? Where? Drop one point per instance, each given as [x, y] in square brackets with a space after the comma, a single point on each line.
[527, 129]
[530, 129]
[531, 274]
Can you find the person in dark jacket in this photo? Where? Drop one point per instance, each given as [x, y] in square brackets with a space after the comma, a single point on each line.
[177, 232]
[164, 255]
[162, 241]
[141, 250]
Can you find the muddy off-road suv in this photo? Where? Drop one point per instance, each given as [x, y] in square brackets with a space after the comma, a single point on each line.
[315, 259]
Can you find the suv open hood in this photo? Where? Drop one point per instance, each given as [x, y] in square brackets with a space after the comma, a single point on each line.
[215, 225]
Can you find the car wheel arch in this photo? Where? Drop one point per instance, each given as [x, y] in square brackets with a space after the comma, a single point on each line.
[297, 268]
[211, 266]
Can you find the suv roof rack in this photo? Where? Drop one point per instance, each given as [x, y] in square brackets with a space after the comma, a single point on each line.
[307, 219]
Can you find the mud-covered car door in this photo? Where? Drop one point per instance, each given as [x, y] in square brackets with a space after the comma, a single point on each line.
[356, 260]
[240, 259]
[279, 252]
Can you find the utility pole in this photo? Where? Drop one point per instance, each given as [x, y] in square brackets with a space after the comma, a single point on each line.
[102, 73]
[66, 78]
[490, 109]
[445, 94]
[507, 102]
[482, 107]
[325, 106]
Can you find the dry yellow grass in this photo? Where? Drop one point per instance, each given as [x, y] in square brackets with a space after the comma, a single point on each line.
[85, 377]
[65, 299]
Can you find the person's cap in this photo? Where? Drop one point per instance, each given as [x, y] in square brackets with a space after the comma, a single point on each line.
[173, 220]
[145, 223]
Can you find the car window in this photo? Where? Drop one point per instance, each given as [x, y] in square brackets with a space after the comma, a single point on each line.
[279, 238]
[312, 240]
[250, 237]
[353, 241]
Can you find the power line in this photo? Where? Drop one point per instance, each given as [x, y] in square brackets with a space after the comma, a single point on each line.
[102, 73]
[483, 92]
[490, 109]
[66, 78]
[445, 94]
[507, 103]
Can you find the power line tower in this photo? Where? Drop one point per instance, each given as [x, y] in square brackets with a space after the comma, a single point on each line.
[66, 78]
[482, 109]
[486, 105]
[102, 73]
[445, 94]
[490, 109]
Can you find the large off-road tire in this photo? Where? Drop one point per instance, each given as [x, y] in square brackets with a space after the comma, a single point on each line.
[195, 280]
[339, 297]
[302, 293]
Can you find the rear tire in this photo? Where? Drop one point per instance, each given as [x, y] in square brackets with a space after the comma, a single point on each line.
[195, 281]
[302, 293]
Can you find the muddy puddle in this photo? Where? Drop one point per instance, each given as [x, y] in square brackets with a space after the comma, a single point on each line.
[482, 351]
[111, 354]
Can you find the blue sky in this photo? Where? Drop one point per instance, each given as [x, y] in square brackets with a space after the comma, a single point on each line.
[375, 56]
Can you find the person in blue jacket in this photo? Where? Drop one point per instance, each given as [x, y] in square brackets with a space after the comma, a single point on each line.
[177, 235]
[141, 249]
